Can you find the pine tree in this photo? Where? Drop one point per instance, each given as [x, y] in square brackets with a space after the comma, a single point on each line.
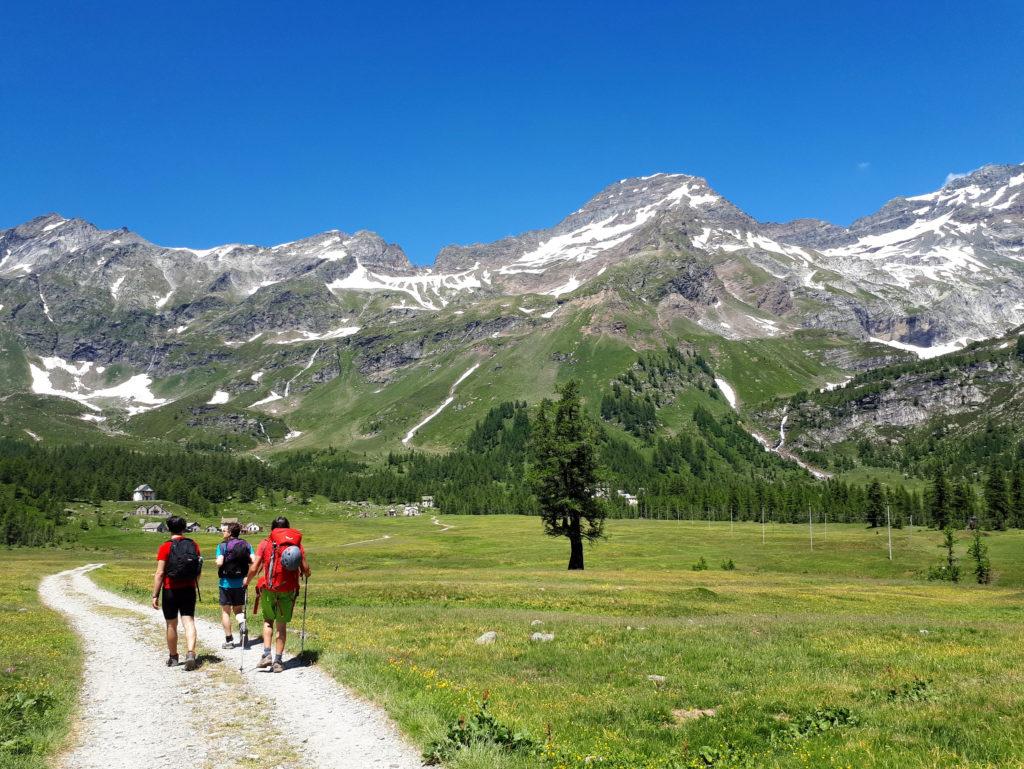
[949, 543]
[1017, 495]
[962, 503]
[997, 501]
[979, 552]
[874, 514]
[563, 473]
[939, 499]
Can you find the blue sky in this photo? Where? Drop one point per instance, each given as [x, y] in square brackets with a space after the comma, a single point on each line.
[204, 123]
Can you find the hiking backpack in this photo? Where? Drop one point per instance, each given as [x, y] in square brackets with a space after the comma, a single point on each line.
[236, 559]
[278, 578]
[183, 561]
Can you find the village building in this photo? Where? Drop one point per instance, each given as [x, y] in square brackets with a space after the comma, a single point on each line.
[154, 528]
[152, 511]
[212, 529]
[630, 499]
[426, 502]
[252, 528]
[193, 527]
[143, 493]
[228, 521]
[411, 511]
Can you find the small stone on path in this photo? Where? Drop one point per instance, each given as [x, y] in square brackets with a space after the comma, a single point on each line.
[487, 638]
[542, 637]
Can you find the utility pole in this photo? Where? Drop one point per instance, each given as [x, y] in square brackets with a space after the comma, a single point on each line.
[824, 523]
[810, 525]
[888, 526]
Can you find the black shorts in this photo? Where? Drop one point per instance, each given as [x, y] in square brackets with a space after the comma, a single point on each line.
[232, 596]
[179, 601]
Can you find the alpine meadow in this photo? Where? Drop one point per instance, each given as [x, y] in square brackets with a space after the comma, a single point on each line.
[716, 465]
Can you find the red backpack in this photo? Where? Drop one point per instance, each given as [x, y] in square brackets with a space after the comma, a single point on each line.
[278, 578]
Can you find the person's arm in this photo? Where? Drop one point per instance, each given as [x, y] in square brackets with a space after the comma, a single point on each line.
[305, 565]
[158, 582]
[254, 569]
[220, 556]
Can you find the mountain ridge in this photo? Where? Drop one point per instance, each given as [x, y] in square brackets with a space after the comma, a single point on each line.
[121, 325]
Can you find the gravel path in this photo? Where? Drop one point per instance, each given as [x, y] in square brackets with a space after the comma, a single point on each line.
[136, 712]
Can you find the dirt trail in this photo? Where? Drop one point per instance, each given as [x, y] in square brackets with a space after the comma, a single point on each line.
[136, 712]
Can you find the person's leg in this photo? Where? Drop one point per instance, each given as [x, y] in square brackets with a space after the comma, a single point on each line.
[190, 633]
[170, 610]
[267, 606]
[225, 621]
[239, 612]
[282, 637]
[172, 637]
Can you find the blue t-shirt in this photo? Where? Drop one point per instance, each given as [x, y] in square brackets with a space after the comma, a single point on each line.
[230, 581]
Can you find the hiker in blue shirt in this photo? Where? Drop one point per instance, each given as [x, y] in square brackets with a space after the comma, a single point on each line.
[234, 557]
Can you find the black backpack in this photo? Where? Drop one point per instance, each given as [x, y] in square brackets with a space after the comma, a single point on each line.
[183, 561]
[236, 559]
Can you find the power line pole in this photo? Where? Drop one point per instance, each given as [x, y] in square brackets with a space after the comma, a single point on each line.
[810, 525]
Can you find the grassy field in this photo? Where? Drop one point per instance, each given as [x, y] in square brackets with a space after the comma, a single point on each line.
[905, 672]
[40, 660]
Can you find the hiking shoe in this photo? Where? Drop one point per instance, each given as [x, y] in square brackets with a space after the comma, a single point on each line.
[277, 667]
[265, 662]
[190, 661]
[172, 661]
[228, 645]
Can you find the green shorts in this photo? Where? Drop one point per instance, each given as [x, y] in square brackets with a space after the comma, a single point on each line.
[277, 607]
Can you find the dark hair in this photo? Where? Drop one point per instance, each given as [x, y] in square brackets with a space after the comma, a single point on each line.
[234, 529]
[280, 523]
[176, 524]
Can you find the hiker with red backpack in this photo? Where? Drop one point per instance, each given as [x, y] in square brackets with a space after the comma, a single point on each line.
[282, 559]
[178, 566]
[234, 558]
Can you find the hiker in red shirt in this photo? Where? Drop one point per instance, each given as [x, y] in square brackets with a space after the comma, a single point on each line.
[282, 559]
[178, 565]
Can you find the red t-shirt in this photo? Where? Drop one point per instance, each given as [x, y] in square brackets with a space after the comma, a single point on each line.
[162, 555]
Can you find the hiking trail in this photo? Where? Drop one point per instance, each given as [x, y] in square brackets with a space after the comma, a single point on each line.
[134, 711]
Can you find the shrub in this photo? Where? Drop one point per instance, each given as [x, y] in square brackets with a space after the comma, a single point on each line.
[728, 565]
[481, 728]
[701, 565]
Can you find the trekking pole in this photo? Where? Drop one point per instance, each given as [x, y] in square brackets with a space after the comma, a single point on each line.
[302, 635]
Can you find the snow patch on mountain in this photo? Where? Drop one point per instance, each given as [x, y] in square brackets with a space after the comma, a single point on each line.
[925, 352]
[727, 391]
[444, 404]
[219, 397]
[429, 291]
[294, 337]
[133, 395]
[566, 288]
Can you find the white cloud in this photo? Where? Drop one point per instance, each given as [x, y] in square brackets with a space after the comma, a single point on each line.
[952, 176]
[864, 165]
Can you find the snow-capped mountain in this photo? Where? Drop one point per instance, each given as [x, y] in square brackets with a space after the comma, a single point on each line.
[925, 273]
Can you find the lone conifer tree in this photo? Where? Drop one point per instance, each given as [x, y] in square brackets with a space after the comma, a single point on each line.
[563, 473]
